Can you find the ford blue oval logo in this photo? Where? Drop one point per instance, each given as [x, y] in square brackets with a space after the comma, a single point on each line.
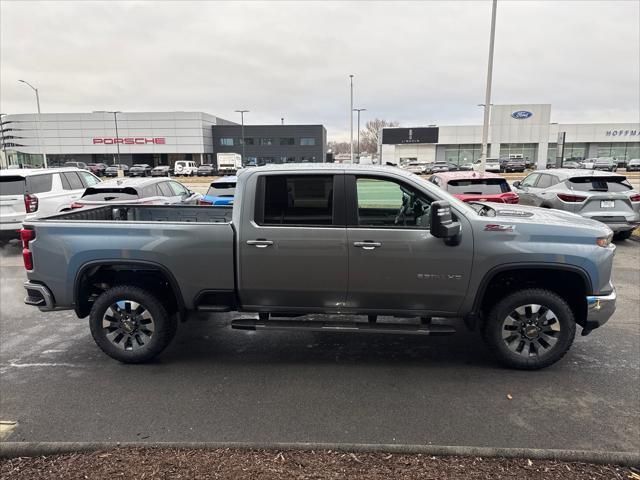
[521, 114]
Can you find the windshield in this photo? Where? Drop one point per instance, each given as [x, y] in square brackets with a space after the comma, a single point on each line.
[222, 190]
[444, 195]
[479, 186]
[599, 184]
[12, 185]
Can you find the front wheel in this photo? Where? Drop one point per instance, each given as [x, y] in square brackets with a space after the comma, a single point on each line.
[130, 324]
[530, 329]
[622, 236]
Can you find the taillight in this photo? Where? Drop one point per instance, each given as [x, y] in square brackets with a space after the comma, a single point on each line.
[510, 198]
[26, 236]
[635, 198]
[204, 202]
[567, 197]
[76, 205]
[30, 202]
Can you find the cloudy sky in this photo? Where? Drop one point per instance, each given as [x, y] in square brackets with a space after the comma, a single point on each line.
[418, 63]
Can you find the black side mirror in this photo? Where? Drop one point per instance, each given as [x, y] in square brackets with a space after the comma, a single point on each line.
[442, 224]
[517, 184]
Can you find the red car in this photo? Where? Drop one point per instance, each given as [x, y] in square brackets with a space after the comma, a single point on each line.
[475, 186]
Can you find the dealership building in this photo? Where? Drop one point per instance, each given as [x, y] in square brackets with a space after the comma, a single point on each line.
[523, 130]
[155, 138]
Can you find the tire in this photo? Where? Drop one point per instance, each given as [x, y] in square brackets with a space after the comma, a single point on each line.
[136, 340]
[622, 236]
[532, 345]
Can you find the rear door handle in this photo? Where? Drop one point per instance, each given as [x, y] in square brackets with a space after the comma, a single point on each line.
[367, 245]
[260, 243]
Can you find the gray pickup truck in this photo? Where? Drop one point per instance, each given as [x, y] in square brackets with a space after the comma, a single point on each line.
[328, 239]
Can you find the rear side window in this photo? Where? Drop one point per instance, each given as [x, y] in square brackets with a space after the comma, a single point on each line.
[599, 184]
[110, 194]
[71, 181]
[479, 186]
[87, 179]
[295, 200]
[546, 181]
[222, 189]
[12, 185]
[39, 183]
[165, 189]
[151, 191]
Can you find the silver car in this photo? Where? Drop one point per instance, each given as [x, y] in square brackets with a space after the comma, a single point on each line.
[603, 196]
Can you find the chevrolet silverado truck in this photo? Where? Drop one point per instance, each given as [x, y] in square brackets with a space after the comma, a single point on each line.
[366, 242]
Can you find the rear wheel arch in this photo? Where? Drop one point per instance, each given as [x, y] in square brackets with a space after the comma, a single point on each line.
[570, 282]
[130, 272]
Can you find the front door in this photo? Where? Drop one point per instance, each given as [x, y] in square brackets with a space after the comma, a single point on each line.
[293, 243]
[526, 190]
[395, 264]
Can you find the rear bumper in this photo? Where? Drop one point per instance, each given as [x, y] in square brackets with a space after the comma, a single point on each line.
[39, 296]
[10, 226]
[600, 308]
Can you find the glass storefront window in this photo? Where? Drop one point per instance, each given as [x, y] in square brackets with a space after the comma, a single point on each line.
[227, 142]
[461, 154]
[619, 151]
[528, 151]
[575, 151]
[307, 141]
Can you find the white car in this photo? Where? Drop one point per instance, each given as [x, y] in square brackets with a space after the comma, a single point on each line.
[185, 167]
[417, 168]
[491, 165]
[26, 194]
[588, 163]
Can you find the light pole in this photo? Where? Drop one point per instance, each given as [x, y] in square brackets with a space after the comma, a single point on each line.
[44, 155]
[487, 98]
[115, 121]
[359, 110]
[242, 112]
[351, 118]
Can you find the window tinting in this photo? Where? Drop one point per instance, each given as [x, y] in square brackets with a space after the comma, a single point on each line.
[599, 184]
[479, 186]
[227, 142]
[177, 188]
[87, 179]
[307, 141]
[39, 183]
[12, 185]
[297, 200]
[385, 203]
[73, 181]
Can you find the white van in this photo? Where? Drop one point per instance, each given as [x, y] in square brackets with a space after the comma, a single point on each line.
[185, 167]
[26, 194]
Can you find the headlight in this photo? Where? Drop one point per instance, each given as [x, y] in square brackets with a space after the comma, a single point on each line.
[604, 241]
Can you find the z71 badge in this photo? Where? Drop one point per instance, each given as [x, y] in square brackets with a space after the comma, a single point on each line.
[496, 227]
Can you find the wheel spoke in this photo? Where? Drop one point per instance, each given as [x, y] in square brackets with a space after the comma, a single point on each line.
[531, 330]
[128, 325]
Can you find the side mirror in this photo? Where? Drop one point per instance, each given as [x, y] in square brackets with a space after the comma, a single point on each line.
[517, 184]
[442, 224]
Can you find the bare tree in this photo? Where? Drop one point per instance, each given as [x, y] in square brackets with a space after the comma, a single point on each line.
[370, 135]
[338, 147]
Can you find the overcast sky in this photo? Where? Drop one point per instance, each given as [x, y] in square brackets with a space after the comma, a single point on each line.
[418, 63]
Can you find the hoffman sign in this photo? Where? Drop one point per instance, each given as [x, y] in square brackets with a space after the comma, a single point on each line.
[129, 140]
[625, 133]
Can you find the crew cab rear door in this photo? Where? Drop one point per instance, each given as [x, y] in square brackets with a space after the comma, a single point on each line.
[293, 242]
[395, 264]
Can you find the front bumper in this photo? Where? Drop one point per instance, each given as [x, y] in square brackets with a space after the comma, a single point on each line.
[600, 308]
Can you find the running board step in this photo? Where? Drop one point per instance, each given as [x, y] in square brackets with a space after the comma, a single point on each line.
[315, 326]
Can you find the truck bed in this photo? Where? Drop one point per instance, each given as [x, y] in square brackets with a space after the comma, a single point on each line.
[148, 213]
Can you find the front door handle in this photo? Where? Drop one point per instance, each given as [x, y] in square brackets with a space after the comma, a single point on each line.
[367, 245]
[260, 243]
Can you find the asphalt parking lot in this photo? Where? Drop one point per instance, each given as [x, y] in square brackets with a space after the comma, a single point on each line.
[218, 384]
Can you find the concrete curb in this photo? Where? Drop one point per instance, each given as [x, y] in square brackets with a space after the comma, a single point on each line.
[32, 449]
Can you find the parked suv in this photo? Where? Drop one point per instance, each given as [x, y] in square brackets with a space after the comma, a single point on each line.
[97, 168]
[206, 170]
[185, 167]
[607, 164]
[633, 165]
[161, 171]
[28, 194]
[603, 196]
[140, 170]
[475, 187]
[112, 170]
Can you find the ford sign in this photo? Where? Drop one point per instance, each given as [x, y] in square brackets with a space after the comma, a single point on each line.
[521, 115]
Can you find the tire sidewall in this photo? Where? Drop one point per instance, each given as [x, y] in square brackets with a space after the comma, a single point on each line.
[164, 324]
[494, 325]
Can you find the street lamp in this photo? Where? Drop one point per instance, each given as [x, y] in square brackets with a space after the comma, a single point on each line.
[44, 155]
[351, 117]
[487, 98]
[359, 110]
[115, 121]
[242, 112]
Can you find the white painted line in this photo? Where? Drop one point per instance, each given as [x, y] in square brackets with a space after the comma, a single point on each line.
[24, 365]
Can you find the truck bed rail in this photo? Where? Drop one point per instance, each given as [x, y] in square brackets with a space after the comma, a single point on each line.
[148, 213]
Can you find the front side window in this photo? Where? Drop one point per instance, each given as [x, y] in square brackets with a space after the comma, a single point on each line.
[227, 142]
[384, 203]
[530, 181]
[307, 141]
[296, 200]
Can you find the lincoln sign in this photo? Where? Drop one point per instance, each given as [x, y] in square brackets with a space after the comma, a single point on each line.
[129, 140]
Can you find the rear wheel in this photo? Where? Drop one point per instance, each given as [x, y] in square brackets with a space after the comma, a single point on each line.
[130, 324]
[530, 329]
[621, 236]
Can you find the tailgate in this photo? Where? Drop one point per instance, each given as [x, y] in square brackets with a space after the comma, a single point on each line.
[12, 189]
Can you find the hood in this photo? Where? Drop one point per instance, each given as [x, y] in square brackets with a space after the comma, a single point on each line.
[546, 216]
